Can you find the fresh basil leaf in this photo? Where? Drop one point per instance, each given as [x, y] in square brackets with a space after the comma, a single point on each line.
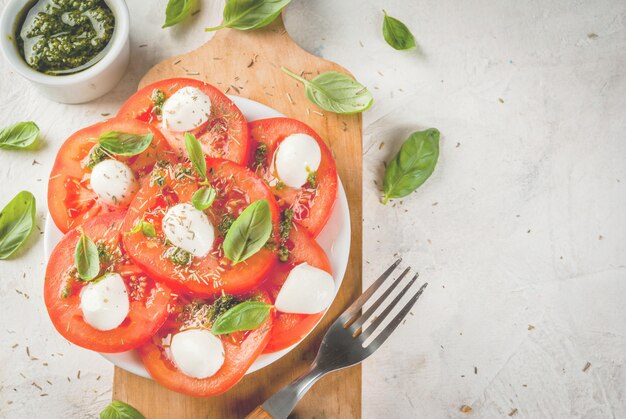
[245, 316]
[19, 136]
[125, 144]
[249, 232]
[413, 164]
[196, 155]
[203, 198]
[120, 410]
[86, 258]
[397, 35]
[146, 228]
[176, 11]
[17, 220]
[336, 92]
[250, 14]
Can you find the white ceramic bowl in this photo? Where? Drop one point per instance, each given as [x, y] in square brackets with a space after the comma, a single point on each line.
[80, 87]
[334, 239]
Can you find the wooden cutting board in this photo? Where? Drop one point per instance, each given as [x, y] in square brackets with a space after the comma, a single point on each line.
[248, 64]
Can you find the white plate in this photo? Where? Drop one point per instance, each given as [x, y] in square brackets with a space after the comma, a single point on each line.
[334, 239]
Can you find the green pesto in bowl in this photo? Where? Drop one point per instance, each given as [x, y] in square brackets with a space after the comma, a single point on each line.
[60, 37]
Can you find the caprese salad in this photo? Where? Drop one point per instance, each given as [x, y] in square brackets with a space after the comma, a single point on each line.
[190, 235]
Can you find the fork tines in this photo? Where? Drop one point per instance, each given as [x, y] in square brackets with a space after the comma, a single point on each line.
[354, 322]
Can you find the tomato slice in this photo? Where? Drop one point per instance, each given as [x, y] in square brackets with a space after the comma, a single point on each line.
[311, 204]
[149, 299]
[240, 349]
[236, 188]
[71, 200]
[224, 135]
[289, 328]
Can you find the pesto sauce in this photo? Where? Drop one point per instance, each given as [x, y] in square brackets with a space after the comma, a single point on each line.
[60, 37]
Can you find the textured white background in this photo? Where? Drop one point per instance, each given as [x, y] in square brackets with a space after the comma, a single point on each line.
[523, 222]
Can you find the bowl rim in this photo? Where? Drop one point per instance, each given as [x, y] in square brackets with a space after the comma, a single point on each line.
[9, 48]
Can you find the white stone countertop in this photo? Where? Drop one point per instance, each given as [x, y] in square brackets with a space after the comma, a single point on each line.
[521, 231]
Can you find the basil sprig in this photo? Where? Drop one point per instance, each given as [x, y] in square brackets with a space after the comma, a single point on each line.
[145, 227]
[19, 136]
[203, 198]
[250, 14]
[125, 144]
[413, 164]
[120, 410]
[397, 35]
[249, 232]
[86, 258]
[335, 92]
[17, 220]
[176, 11]
[196, 155]
[248, 315]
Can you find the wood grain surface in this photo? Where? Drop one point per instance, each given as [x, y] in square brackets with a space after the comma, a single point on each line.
[248, 64]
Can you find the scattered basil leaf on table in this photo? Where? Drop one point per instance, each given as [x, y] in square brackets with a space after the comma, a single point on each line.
[203, 198]
[17, 220]
[397, 35]
[244, 316]
[177, 11]
[249, 232]
[120, 410]
[413, 164]
[86, 258]
[19, 136]
[250, 14]
[146, 228]
[125, 144]
[336, 92]
[196, 155]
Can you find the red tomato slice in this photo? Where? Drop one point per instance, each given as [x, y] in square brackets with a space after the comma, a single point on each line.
[236, 187]
[149, 300]
[289, 328]
[311, 205]
[71, 200]
[241, 349]
[224, 135]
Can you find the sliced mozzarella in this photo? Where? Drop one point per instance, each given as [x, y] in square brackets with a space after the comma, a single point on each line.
[189, 228]
[297, 156]
[197, 352]
[186, 109]
[105, 303]
[307, 290]
[114, 183]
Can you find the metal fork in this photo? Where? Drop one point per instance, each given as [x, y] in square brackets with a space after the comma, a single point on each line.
[343, 344]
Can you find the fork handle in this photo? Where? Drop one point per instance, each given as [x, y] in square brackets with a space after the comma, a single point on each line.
[281, 404]
[259, 413]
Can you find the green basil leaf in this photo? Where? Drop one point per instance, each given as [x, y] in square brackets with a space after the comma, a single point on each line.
[120, 410]
[17, 220]
[196, 155]
[86, 258]
[19, 136]
[203, 198]
[250, 14]
[148, 229]
[413, 164]
[245, 316]
[249, 232]
[336, 92]
[125, 144]
[397, 35]
[176, 11]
